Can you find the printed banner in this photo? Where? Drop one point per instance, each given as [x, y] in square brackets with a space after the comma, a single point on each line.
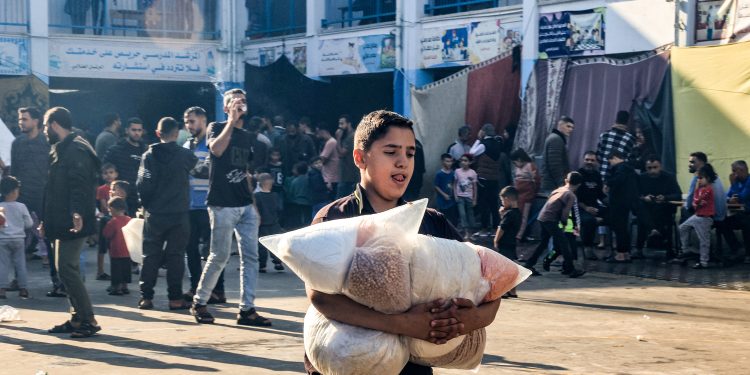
[132, 60]
[262, 56]
[367, 54]
[14, 56]
[742, 19]
[711, 21]
[468, 44]
[574, 33]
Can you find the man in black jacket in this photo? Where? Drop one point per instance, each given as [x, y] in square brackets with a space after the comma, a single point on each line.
[164, 189]
[126, 156]
[69, 213]
[656, 188]
[590, 197]
[622, 188]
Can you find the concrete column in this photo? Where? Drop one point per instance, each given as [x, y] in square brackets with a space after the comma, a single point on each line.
[409, 72]
[316, 11]
[39, 42]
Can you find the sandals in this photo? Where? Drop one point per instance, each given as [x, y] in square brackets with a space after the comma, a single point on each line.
[86, 329]
[244, 319]
[179, 304]
[201, 314]
[66, 327]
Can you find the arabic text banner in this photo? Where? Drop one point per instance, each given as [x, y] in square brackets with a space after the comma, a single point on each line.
[367, 54]
[14, 56]
[468, 44]
[573, 33]
[133, 61]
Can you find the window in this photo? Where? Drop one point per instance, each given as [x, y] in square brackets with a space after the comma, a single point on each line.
[268, 18]
[182, 19]
[348, 13]
[440, 7]
[14, 16]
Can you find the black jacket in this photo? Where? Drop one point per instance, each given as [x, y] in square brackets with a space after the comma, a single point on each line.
[126, 158]
[71, 188]
[164, 178]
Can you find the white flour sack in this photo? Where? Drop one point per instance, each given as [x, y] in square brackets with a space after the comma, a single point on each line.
[133, 234]
[336, 348]
[380, 261]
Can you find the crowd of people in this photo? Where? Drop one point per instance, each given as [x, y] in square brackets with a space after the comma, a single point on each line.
[252, 176]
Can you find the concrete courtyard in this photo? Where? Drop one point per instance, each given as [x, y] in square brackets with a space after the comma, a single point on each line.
[600, 324]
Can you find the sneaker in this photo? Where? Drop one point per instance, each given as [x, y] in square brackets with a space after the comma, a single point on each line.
[546, 262]
[201, 314]
[262, 270]
[534, 272]
[13, 287]
[278, 267]
[700, 266]
[23, 293]
[576, 274]
[145, 304]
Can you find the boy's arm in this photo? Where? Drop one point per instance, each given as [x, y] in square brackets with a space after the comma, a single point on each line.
[425, 321]
[28, 222]
[570, 199]
[498, 235]
[145, 181]
[441, 192]
[104, 206]
[474, 317]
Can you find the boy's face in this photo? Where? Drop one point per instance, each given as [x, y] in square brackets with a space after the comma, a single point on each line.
[447, 163]
[508, 202]
[275, 156]
[109, 175]
[702, 181]
[465, 163]
[318, 164]
[116, 191]
[388, 165]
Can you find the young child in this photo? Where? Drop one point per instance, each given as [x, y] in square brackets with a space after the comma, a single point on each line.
[119, 257]
[297, 199]
[555, 212]
[120, 188]
[510, 221]
[445, 178]
[109, 174]
[319, 196]
[526, 179]
[702, 219]
[384, 148]
[269, 211]
[465, 191]
[13, 236]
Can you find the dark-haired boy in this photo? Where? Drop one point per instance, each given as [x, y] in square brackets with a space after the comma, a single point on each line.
[164, 190]
[510, 223]
[443, 184]
[555, 212]
[384, 147]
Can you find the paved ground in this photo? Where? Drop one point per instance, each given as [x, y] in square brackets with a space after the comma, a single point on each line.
[603, 323]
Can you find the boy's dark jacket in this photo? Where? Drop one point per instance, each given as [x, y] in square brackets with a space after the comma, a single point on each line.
[163, 178]
[71, 188]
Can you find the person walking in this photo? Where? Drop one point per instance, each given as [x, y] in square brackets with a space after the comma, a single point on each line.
[69, 214]
[231, 209]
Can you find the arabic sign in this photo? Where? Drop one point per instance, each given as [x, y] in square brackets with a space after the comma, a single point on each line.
[367, 54]
[132, 61]
[262, 56]
[578, 33]
[468, 44]
[14, 56]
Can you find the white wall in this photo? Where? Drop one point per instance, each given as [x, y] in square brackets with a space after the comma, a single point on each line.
[638, 25]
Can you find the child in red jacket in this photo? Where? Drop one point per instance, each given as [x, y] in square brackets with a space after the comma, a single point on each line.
[118, 250]
[702, 219]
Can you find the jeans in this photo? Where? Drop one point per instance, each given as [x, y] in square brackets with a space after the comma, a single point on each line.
[559, 242]
[619, 220]
[174, 229]
[67, 257]
[702, 227]
[244, 223]
[13, 256]
[200, 232]
[466, 212]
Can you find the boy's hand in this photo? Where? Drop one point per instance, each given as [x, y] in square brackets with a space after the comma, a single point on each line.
[430, 322]
[77, 223]
[461, 309]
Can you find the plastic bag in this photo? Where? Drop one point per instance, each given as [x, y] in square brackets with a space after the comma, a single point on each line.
[133, 233]
[9, 314]
[335, 348]
[501, 273]
[467, 355]
[321, 254]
